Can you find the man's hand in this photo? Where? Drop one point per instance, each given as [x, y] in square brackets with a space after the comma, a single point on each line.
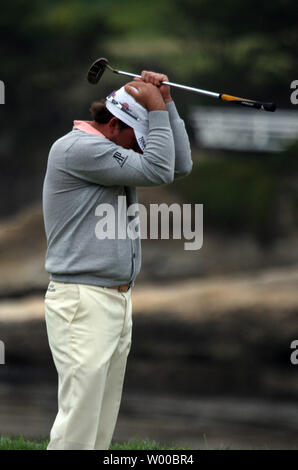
[156, 79]
[147, 94]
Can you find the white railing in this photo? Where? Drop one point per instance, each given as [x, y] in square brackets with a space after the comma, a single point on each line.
[244, 130]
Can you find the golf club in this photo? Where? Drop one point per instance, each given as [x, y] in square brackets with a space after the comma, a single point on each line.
[100, 65]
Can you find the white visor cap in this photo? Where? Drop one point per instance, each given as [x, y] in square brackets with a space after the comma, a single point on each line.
[123, 106]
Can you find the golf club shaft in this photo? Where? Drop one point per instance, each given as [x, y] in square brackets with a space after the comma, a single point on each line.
[222, 96]
[176, 85]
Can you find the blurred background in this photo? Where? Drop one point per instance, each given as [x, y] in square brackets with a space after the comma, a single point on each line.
[210, 359]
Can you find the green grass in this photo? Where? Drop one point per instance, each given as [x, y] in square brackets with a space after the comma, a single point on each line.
[20, 443]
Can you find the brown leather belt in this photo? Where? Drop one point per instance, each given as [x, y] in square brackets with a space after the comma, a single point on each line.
[123, 288]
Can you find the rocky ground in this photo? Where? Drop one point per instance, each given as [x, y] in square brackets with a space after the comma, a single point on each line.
[229, 306]
[232, 333]
[226, 313]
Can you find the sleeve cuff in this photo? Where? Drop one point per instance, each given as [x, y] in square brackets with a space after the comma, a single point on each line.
[171, 108]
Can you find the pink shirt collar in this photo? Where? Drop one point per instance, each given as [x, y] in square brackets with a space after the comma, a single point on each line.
[86, 127]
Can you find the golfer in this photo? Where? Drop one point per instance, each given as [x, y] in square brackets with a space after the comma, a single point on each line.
[136, 138]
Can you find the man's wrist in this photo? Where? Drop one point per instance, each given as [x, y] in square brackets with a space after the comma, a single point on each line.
[156, 107]
[168, 100]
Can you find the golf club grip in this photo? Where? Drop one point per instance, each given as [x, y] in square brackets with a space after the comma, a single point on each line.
[244, 102]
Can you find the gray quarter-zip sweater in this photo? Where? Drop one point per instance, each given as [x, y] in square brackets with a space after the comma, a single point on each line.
[85, 171]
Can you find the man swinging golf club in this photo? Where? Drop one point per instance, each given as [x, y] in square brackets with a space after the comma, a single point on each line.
[136, 138]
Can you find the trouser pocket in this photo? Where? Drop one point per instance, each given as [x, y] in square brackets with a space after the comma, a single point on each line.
[61, 306]
[62, 301]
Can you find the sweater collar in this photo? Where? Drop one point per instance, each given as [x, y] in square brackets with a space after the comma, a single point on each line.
[86, 126]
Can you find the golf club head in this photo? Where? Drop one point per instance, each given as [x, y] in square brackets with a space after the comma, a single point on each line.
[96, 70]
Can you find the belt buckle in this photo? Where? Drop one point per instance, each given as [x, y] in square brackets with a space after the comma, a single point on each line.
[123, 289]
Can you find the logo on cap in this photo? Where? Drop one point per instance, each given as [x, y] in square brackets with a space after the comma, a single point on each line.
[142, 142]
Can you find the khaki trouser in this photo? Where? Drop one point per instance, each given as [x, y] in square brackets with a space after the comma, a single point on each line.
[89, 331]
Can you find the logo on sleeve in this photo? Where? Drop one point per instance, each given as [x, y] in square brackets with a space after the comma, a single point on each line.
[120, 158]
